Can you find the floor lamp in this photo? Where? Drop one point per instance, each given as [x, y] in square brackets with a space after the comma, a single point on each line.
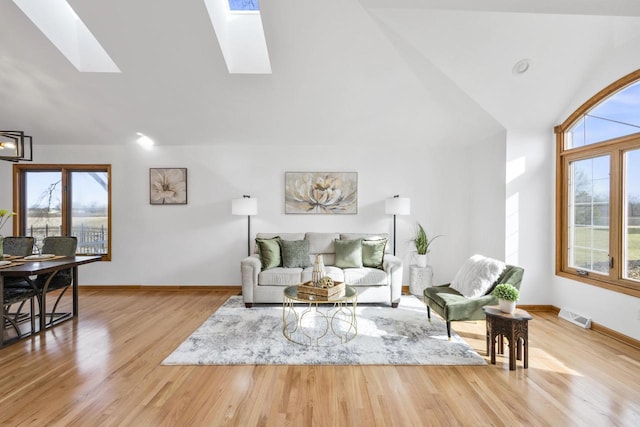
[245, 206]
[397, 206]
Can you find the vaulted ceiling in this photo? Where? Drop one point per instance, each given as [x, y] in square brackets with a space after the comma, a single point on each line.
[367, 72]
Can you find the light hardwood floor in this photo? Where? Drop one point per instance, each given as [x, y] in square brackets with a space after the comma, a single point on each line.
[104, 369]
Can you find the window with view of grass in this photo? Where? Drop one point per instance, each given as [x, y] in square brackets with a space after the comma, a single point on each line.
[598, 189]
[65, 200]
[589, 214]
[631, 219]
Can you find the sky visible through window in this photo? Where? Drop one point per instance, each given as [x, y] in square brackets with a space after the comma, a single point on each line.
[239, 5]
[616, 116]
[622, 114]
[44, 190]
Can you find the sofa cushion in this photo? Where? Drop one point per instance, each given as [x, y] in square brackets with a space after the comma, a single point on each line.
[348, 253]
[280, 276]
[269, 252]
[442, 294]
[367, 236]
[295, 253]
[321, 243]
[365, 276]
[373, 252]
[329, 259]
[283, 236]
[476, 276]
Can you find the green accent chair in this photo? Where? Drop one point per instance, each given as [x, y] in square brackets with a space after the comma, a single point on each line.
[453, 306]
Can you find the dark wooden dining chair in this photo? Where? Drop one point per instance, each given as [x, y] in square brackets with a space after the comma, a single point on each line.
[59, 281]
[18, 296]
[18, 245]
[17, 291]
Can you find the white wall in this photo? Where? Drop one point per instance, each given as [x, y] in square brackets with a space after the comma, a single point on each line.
[529, 216]
[201, 243]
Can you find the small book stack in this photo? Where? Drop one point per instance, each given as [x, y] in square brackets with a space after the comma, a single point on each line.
[308, 291]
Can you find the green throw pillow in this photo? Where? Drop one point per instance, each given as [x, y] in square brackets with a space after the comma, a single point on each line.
[348, 253]
[269, 252]
[373, 252]
[295, 253]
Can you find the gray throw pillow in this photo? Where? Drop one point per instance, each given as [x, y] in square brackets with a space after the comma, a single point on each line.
[295, 253]
[348, 253]
[269, 252]
[373, 252]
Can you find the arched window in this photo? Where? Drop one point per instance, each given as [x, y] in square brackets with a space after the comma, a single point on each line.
[598, 189]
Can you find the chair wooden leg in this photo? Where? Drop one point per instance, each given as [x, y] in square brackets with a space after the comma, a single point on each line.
[449, 329]
[55, 306]
[429, 313]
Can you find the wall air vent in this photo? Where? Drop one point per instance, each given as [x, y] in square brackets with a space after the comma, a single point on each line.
[575, 318]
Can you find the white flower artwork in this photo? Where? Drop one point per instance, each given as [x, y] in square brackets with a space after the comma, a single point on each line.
[168, 186]
[321, 192]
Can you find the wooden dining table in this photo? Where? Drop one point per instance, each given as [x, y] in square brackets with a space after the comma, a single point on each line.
[21, 267]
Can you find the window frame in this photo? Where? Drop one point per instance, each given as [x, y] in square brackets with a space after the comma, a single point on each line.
[615, 148]
[19, 195]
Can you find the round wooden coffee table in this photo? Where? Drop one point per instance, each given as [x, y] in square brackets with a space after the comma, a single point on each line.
[316, 321]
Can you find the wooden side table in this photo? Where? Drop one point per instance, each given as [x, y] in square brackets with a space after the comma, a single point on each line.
[512, 326]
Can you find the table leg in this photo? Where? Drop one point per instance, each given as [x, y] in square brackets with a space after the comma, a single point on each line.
[487, 338]
[493, 348]
[74, 272]
[2, 308]
[512, 351]
[526, 352]
[519, 349]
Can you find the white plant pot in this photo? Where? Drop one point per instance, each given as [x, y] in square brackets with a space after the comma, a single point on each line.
[420, 260]
[507, 306]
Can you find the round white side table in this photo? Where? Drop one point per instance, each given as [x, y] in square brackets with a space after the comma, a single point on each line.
[419, 279]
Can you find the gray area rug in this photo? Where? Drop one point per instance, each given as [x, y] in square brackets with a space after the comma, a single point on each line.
[235, 335]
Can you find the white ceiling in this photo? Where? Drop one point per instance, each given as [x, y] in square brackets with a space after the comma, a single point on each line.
[367, 72]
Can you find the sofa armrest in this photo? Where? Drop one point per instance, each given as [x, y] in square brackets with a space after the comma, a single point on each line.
[250, 267]
[392, 265]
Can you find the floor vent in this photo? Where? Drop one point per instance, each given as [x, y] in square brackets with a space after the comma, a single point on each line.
[573, 317]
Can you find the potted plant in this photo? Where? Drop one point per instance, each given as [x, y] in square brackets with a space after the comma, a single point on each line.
[422, 242]
[507, 296]
[4, 217]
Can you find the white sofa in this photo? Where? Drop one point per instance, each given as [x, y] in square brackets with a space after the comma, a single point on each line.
[374, 285]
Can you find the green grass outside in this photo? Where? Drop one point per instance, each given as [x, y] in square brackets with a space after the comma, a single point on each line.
[583, 237]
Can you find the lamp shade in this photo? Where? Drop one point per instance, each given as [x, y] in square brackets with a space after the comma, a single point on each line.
[244, 206]
[397, 206]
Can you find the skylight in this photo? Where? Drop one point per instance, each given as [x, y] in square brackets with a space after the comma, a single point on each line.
[64, 28]
[240, 35]
[243, 5]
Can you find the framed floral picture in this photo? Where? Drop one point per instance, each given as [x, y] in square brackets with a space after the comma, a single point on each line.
[321, 193]
[168, 186]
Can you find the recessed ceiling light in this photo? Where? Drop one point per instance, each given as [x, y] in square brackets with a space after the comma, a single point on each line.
[144, 141]
[521, 66]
